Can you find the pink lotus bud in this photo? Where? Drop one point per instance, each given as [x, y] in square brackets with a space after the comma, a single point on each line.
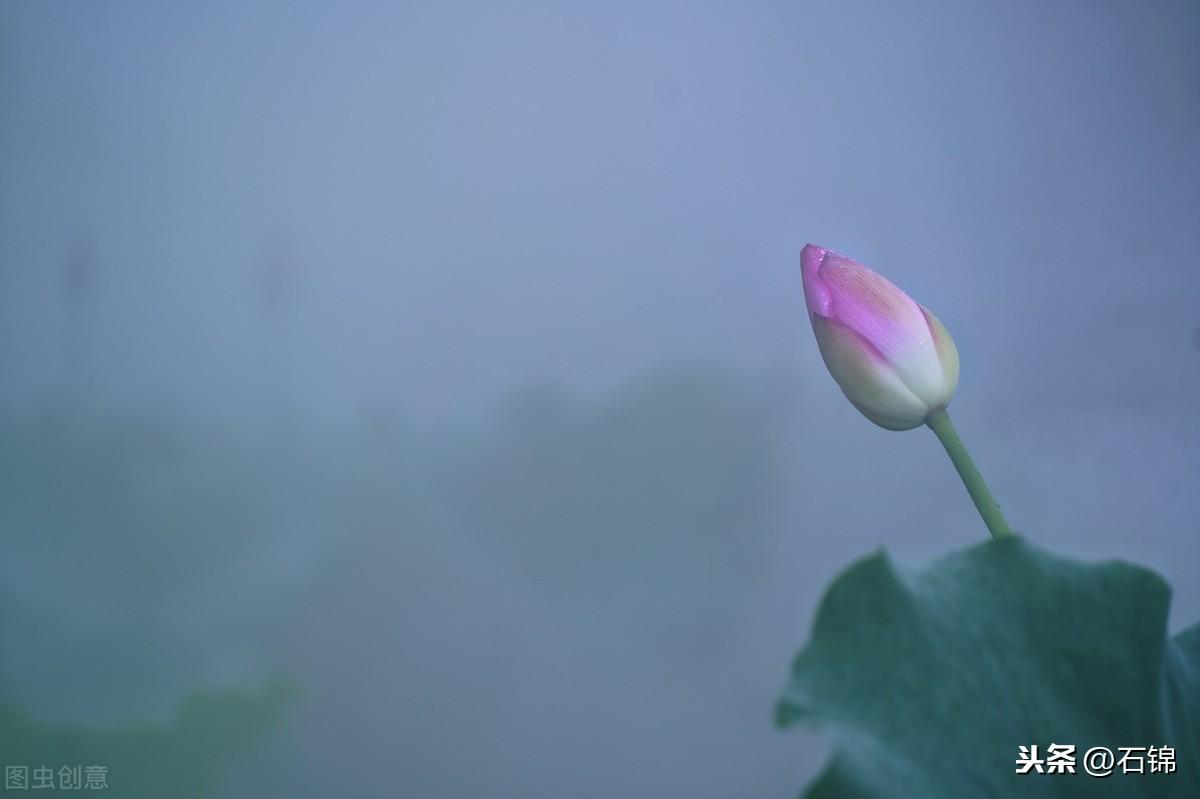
[892, 358]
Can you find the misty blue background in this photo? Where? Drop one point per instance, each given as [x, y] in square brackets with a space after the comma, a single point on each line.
[453, 359]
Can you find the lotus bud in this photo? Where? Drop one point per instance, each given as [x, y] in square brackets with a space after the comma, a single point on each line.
[891, 357]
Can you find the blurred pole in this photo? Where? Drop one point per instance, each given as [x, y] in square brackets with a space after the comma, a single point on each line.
[277, 285]
[79, 281]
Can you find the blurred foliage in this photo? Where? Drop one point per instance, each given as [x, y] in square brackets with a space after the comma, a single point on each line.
[929, 680]
[666, 484]
[186, 758]
[124, 536]
[604, 540]
[105, 498]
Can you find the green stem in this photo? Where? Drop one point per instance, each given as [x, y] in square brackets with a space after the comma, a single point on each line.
[939, 422]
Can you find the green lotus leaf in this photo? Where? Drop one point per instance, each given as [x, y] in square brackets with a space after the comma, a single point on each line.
[929, 679]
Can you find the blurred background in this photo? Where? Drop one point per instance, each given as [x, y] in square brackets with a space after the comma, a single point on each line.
[417, 399]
